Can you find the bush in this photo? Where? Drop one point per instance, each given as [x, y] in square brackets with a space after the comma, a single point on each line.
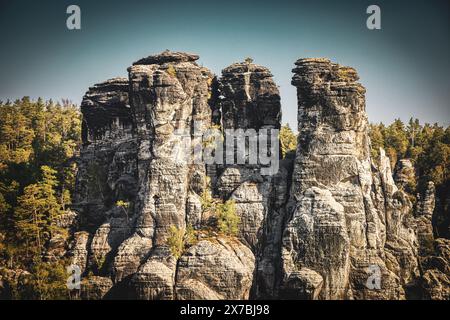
[47, 281]
[206, 200]
[171, 71]
[248, 60]
[175, 241]
[227, 219]
[288, 140]
[179, 240]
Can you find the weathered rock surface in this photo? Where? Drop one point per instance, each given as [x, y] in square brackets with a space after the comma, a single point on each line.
[95, 288]
[424, 216]
[329, 224]
[346, 215]
[249, 97]
[436, 276]
[215, 269]
[132, 186]
[404, 173]
[107, 163]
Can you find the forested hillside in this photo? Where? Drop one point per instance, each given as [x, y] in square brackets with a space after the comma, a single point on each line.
[428, 147]
[38, 142]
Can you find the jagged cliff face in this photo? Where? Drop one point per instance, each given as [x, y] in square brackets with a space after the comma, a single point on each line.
[132, 127]
[317, 228]
[346, 217]
[248, 98]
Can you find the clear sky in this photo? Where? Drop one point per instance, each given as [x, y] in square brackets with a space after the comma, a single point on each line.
[405, 66]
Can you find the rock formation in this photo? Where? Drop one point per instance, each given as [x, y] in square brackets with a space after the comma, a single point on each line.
[436, 271]
[248, 99]
[346, 217]
[329, 224]
[131, 188]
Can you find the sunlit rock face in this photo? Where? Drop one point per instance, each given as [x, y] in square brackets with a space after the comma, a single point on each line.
[106, 170]
[248, 99]
[215, 270]
[132, 187]
[345, 215]
[329, 223]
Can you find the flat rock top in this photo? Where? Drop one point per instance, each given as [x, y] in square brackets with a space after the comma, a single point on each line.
[321, 66]
[308, 61]
[110, 84]
[243, 67]
[167, 56]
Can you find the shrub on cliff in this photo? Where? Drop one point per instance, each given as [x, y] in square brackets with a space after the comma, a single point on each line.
[288, 140]
[180, 239]
[171, 71]
[227, 219]
[175, 241]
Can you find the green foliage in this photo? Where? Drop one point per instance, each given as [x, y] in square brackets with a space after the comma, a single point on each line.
[38, 141]
[206, 200]
[345, 74]
[175, 241]
[212, 136]
[100, 261]
[288, 140]
[171, 71]
[37, 211]
[377, 139]
[227, 219]
[4, 206]
[248, 60]
[180, 239]
[123, 204]
[190, 237]
[47, 281]
[428, 146]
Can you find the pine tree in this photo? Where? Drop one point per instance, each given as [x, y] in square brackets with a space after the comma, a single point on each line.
[227, 219]
[37, 211]
[288, 140]
[377, 139]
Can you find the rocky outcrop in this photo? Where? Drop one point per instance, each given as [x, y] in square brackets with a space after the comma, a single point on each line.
[107, 163]
[346, 217]
[248, 99]
[404, 174]
[168, 95]
[136, 179]
[215, 269]
[95, 288]
[424, 216]
[436, 271]
[330, 223]
[434, 254]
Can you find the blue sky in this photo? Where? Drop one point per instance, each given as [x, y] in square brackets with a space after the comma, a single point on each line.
[404, 66]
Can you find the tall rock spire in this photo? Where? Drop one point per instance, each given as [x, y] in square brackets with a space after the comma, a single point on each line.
[342, 210]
